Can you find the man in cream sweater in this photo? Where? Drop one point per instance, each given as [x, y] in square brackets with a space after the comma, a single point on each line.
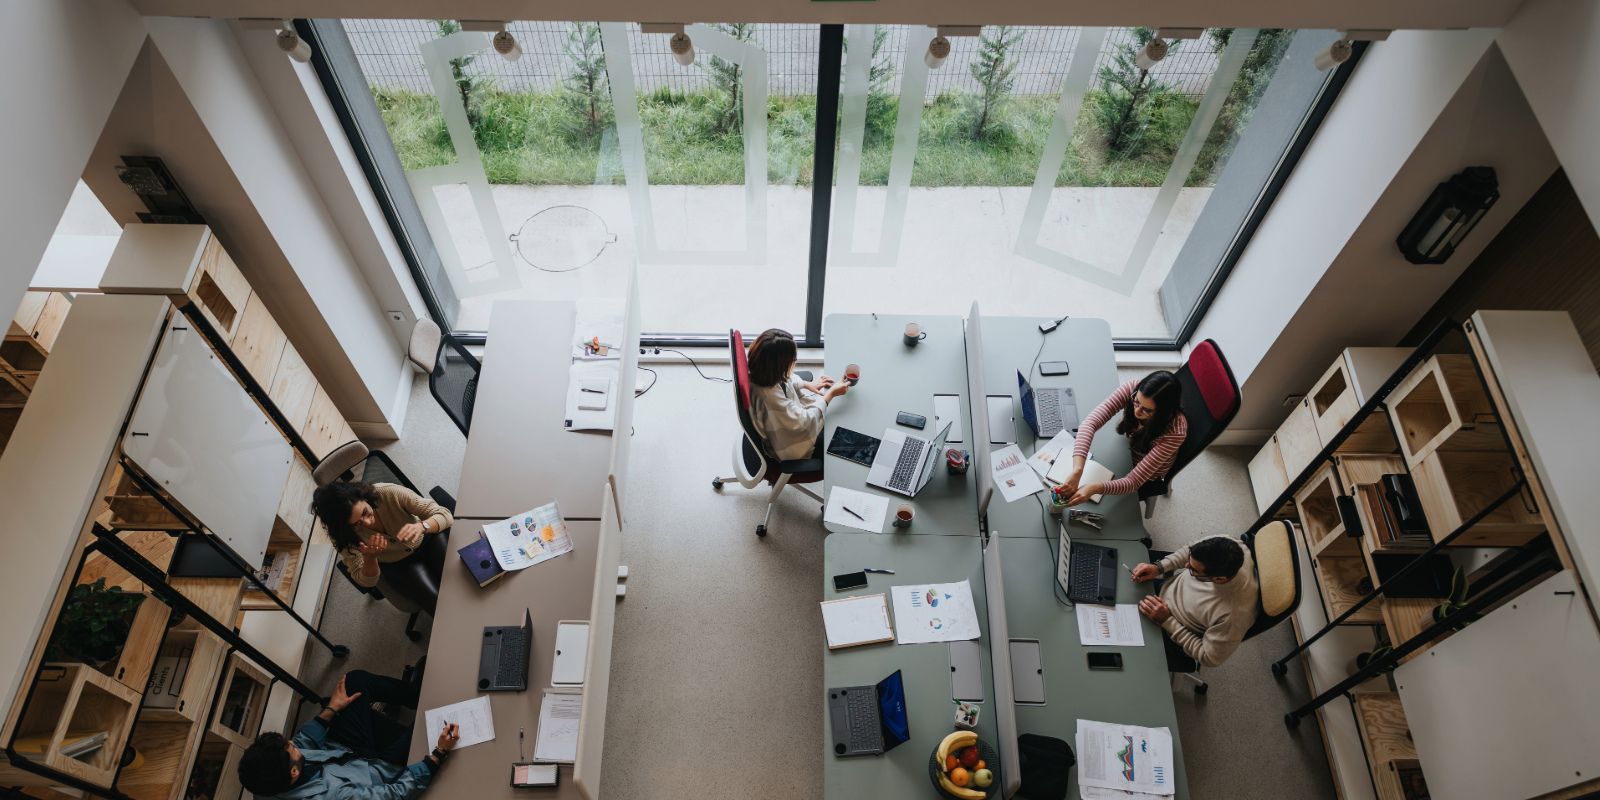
[1208, 600]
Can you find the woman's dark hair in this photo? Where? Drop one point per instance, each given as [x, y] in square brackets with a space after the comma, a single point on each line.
[771, 356]
[1221, 556]
[1163, 388]
[264, 767]
[333, 504]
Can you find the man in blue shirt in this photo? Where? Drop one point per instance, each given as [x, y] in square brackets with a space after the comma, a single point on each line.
[346, 752]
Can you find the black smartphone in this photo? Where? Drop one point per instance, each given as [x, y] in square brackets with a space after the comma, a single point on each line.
[1105, 661]
[849, 580]
[911, 420]
[1055, 368]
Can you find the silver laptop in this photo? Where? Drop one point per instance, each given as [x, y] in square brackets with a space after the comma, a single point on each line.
[904, 464]
[1048, 411]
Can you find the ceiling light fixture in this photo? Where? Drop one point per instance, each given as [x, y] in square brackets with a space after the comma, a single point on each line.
[938, 51]
[1342, 48]
[682, 48]
[506, 45]
[291, 43]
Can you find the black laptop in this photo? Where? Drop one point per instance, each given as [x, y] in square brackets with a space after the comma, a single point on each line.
[869, 720]
[503, 662]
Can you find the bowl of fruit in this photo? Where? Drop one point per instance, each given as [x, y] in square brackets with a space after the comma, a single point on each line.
[960, 767]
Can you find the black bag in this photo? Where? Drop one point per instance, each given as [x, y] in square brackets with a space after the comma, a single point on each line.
[1046, 767]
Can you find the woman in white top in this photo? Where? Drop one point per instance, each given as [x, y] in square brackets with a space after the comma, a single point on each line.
[786, 410]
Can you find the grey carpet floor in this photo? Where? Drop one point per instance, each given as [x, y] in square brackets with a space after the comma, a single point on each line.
[715, 676]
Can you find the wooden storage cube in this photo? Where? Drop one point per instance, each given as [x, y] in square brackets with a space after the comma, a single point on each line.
[133, 507]
[13, 394]
[294, 507]
[259, 342]
[51, 318]
[240, 702]
[185, 673]
[325, 428]
[21, 355]
[27, 314]
[87, 613]
[216, 771]
[166, 751]
[281, 568]
[1454, 486]
[1298, 440]
[1267, 477]
[1405, 617]
[220, 289]
[1387, 737]
[1316, 502]
[293, 388]
[1333, 401]
[72, 704]
[1344, 581]
[1443, 406]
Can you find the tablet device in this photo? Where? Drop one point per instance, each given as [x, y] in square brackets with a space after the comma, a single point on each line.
[853, 446]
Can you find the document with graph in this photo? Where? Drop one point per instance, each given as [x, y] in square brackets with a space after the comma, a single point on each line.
[1126, 758]
[1111, 626]
[1013, 475]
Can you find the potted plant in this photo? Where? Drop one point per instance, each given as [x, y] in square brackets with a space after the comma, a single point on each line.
[94, 624]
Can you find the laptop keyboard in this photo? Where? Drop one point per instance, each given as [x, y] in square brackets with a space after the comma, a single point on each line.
[906, 466]
[865, 733]
[1084, 568]
[1048, 404]
[513, 668]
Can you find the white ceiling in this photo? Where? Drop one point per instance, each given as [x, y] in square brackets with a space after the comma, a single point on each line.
[1389, 14]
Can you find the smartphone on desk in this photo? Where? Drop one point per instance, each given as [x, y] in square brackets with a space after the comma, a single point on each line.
[849, 580]
[1105, 661]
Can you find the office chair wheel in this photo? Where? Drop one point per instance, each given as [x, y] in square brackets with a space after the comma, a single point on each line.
[1280, 669]
[1147, 542]
[716, 484]
[761, 530]
[1291, 721]
[1200, 689]
[340, 651]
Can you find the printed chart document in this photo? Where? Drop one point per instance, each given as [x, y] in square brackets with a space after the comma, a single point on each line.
[558, 727]
[1116, 626]
[1012, 475]
[530, 538]
[934, 612]
[850, 621]
[1058, 449]
[1125, 758]
[474, 718]
[844, 506]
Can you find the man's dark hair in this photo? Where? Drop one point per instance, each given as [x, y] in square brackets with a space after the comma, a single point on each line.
[1221, 556]
[264, 767]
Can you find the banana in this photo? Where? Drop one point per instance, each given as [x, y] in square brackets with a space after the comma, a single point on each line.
[960, 791]
[955, 741]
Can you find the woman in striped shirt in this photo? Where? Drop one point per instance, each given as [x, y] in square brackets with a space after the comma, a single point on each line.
[1152, 419]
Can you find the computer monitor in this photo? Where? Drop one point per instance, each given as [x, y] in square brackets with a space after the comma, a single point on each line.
[1005, 708]
[978, 400]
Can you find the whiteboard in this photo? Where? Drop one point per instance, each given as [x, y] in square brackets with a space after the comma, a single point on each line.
[198, 435]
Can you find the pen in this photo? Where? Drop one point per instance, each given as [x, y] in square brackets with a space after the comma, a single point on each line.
[852, 512]
[520, 757]
[879, 571]
[592, 391]
[1128, 568]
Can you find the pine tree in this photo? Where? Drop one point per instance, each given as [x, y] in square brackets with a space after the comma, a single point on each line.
[728, 76]
[469, 86]
[1127, 95]
[586, 83]
[994, 71]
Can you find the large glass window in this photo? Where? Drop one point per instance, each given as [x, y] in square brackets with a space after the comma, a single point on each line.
[1041, 170]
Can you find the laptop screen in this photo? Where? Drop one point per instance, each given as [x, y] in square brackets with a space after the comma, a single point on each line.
[1064, 561]
[892, 711]
[930, 461]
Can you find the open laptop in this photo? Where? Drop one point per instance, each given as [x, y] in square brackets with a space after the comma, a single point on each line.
[1048, 411]
[869, 720]
[503, 661]
[1087, 572]
[904, 464]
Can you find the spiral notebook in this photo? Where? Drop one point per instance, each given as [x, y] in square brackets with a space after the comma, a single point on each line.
[851, 621]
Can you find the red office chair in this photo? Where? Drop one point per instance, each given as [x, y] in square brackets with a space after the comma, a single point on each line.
[751, 463]
[1210, 400]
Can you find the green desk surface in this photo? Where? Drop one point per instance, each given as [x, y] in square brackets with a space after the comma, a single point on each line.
[925, 668]
[1085, 344]
[897, 378]
[1138, 694]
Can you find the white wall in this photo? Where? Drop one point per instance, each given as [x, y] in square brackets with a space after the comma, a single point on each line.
[1553, 47]
[1322, 272]
[60, 72]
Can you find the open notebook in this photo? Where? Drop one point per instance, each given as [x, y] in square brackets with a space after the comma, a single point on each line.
[1093, 472]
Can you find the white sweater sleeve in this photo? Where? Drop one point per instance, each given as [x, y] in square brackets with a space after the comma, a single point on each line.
[789, 418]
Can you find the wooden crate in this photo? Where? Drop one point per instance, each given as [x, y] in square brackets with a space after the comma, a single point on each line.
[325, 428]
[48, 325]
[291, 546]
[1442, 406]
[70, 701]
[1316, 503]
[240, 702]
[1333, 400]
[1387, 738]
[1455, 485]
[1267, 476]
[220, 289]
[26, 315]
[293, 388]
[167, 751]
[259, 342]
[1298, 440]
[199, 678]
[1343, 581]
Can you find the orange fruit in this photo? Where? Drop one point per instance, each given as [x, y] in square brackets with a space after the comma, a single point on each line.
[960, 777]
[982, 764]
[950, 763]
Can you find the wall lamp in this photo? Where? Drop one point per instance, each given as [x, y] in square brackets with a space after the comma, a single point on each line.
[291, 44]
[681, 45]
[503, 41]
[1156, 49]
[1343, 47]
[1450, 213]
[939, 46]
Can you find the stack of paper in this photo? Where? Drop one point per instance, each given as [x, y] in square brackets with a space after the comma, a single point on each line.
[1124, 762]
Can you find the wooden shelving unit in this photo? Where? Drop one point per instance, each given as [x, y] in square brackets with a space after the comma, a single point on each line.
[23, 350]
[1388, 741]
[1454, 485]
[1443, 406]
[72, 702]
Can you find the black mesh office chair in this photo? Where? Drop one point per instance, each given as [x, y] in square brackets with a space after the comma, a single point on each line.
[452, 370]
[353, 461]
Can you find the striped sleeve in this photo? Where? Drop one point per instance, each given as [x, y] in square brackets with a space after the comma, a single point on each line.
[1102, 414]
[1156, 462]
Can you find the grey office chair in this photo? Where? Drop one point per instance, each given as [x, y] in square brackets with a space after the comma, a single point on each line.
[452, 370]
[1277, 570]
[353, 461]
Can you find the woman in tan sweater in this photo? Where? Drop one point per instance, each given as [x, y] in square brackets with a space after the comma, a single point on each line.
[373, 524]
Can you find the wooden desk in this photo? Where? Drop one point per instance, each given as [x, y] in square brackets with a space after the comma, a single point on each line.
[555, 590]
[519, 454]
